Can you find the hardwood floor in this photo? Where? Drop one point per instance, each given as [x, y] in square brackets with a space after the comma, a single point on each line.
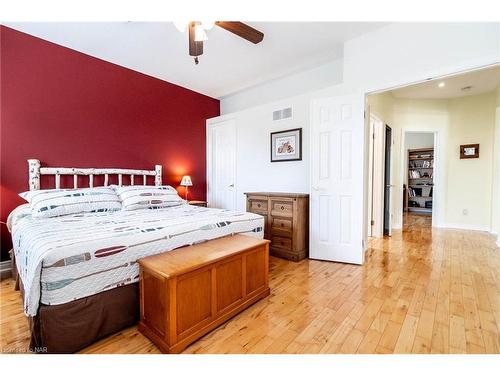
[421, 291]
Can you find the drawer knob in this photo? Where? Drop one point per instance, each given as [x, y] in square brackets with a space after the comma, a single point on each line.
[258, 205]
[282, 243]
[282, 207]
[282, 224]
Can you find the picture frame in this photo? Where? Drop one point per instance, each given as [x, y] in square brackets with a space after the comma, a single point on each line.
[470, 151]
[286, 145]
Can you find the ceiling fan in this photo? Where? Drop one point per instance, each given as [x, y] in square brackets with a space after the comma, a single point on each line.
[197, 34]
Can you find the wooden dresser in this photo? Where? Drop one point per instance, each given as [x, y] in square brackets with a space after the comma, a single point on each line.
[286, 225]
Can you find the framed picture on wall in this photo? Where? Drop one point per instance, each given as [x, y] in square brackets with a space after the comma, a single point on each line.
[286, 145]
[469, 151]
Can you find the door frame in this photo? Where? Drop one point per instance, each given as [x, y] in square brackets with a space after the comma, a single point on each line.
[391, 185]
[375, 177]
[210, 125]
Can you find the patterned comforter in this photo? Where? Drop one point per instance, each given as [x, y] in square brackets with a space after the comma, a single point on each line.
[64, 258]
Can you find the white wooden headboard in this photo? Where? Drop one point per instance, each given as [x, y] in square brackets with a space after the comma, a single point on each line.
[35, 171]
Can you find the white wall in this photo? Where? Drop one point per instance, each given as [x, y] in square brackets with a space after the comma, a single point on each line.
[299, 83]
[404, 52]
[472, 120]
[419, 140]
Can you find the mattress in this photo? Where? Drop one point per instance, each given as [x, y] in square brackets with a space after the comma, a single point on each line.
[65, 258]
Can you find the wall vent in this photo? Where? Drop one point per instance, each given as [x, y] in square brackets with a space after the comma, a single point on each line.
[282, 114]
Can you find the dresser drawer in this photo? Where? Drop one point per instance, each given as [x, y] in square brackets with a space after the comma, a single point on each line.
[281, 242]
[257, 205]
[281, 226]
[281, 208]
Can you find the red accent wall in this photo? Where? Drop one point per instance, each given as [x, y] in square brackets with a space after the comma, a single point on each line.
[66, 108]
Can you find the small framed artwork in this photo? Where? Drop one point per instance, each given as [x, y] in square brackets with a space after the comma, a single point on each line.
[286, 145]
[469, 151]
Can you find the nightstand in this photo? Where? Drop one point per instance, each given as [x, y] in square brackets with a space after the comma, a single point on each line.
[198, 203]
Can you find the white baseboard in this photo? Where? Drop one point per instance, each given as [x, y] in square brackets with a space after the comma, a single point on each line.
[482, 228]
[5, 269]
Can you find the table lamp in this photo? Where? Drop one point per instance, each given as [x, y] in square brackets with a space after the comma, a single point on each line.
[186, 181]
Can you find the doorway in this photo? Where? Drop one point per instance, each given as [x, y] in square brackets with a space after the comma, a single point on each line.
[419, 155]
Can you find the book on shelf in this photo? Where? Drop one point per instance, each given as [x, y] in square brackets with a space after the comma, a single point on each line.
[412, 173]
[421, 163]
[414, 192]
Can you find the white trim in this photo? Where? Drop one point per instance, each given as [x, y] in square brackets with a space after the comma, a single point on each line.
[498, 241]
[461, 226]
[378, 187]
[35, 171]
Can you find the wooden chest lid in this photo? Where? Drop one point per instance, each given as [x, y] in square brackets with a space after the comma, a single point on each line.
[189, 258]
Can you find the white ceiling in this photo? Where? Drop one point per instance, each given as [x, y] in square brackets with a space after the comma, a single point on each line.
[229, 63]
[481, 81]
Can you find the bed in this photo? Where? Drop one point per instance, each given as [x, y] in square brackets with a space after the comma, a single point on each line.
[79, 273]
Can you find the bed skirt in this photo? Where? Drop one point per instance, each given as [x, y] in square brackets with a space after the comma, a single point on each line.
[70, 327]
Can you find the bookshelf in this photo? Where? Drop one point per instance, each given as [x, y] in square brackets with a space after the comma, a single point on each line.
[419, 189]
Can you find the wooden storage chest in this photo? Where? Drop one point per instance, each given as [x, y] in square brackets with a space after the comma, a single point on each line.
[187, 292]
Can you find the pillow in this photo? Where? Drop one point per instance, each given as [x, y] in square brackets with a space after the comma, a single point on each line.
[152, 197]
[17, 214]
[28, 195]
[58, 202]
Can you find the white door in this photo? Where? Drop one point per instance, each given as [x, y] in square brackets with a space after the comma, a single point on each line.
[221, 164]
[337, 178]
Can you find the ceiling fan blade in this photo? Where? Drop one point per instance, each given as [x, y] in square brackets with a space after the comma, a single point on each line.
[242, 30]
[195, 47]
